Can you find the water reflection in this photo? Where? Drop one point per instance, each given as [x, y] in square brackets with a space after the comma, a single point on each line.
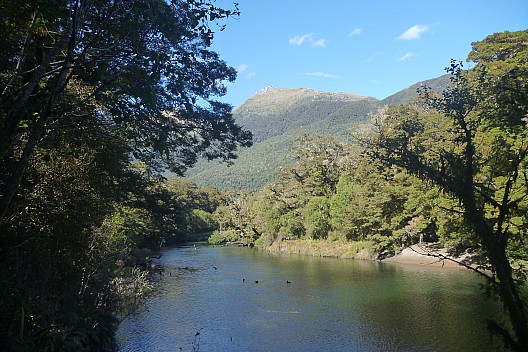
[330, 305]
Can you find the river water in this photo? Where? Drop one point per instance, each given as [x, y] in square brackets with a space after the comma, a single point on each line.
[209, 300]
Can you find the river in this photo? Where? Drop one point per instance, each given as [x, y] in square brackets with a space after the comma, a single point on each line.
[238, 299]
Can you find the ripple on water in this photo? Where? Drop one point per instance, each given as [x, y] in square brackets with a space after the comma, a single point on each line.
[330, 305]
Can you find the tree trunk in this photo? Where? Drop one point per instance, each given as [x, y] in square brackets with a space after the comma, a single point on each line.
[510, 297]
[505, 284]
[13, 181]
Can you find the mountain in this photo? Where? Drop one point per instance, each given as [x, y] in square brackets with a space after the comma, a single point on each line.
[276, 111]
[278, 116]
[405, 96]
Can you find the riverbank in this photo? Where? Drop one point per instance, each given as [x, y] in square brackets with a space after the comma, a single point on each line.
[431, 255]
[425, 254]
[318, 248]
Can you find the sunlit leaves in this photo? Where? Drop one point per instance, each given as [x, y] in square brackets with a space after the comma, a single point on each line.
[480, 161]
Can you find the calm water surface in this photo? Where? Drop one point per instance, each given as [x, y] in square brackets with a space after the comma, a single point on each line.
[330, 305]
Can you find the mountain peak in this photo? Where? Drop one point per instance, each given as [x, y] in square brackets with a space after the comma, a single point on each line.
[278, 116]
[265, 90]
[291, 95]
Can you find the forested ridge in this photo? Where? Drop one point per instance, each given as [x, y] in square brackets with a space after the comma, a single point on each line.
[98, 99]
[277, 117]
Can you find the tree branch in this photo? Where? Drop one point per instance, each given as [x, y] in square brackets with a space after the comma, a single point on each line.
[442, 257]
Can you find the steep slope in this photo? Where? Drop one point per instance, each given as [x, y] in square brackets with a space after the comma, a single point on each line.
[406, 95]
[276, 111]
[278, 116]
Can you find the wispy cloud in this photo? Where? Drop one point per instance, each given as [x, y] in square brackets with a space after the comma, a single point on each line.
[250, 74]
[356, 32]
[243, 70]
[299, 40]
[414, 32]
[321, 43]
[323, 74]
[406, 56]
[375, 56]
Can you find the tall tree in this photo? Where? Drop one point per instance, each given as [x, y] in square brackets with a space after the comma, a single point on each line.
[86, 86]
[141, 67]
[58, 252]
[472, 141]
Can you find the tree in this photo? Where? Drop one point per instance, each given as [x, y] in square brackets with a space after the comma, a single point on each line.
[317, 163]
[472, 142]
[59, 252]
[317, 217]
[86, 87]
[139, 70]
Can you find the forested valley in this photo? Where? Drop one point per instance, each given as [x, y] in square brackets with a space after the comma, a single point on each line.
[98, 99]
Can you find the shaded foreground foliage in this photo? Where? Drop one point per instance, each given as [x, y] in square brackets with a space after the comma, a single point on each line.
[97, 97]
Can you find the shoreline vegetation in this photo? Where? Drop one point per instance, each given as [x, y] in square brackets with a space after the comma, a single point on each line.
[425, 254]
[320, 248]
[422, 254]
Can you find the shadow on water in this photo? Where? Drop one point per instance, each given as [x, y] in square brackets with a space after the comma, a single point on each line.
[238, 299]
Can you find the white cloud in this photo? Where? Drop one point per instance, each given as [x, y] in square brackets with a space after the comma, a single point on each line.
[355, 32]
[414, 32]
[406, 56]
[375, 56]
[243, 71]
[299, 40]
[321, 43]
[322, 74]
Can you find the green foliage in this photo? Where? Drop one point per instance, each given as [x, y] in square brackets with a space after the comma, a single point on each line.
[278, 117]
[86, 86]
[471, 141]
[317, 217]
[223, 237]
[66, 246]
[134, 69]
[331, 191]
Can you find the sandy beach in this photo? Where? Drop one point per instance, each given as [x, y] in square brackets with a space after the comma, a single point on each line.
[427, 254]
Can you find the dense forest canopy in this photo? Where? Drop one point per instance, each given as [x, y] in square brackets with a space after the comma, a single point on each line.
[97, 98]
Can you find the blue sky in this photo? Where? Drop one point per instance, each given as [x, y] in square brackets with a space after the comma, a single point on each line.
[372, 48]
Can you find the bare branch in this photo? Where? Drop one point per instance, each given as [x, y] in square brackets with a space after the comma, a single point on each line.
[442, 257]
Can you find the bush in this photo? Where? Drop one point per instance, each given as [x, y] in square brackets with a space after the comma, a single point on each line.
[223, 237]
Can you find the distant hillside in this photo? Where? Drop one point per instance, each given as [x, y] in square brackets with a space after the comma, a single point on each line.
[405, 96]
[278, 116]
[275, 111]
[254, 167]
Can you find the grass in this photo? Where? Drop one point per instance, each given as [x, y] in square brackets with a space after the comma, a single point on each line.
[322, 248]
